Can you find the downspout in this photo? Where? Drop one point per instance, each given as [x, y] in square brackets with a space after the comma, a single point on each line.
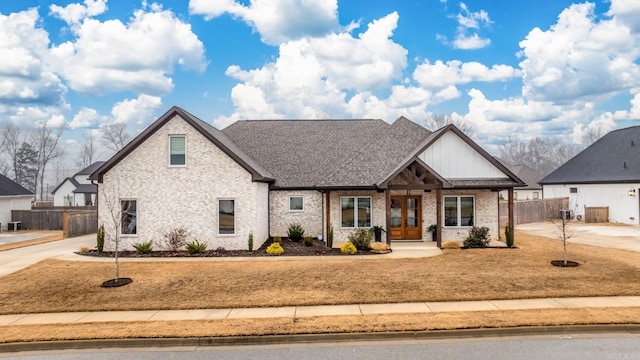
[322, 221]
[268, 212]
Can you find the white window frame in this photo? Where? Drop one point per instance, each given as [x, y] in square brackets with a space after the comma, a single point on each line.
[296, 196]
[234, 216]
[459, 211]
[536, 195]
[355, 210]
[185, 150]
[120, 211]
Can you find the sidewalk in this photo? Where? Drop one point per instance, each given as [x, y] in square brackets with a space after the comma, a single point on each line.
[322, 310]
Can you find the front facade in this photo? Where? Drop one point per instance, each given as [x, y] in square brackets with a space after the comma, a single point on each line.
[12, 197]
[258, 177]
[78, 189]
[606, 174]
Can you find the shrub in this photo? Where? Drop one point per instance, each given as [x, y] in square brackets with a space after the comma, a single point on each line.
[330, 236]
[143, 248]
[348, 249]
[84, 249]
[100, 238]
[508, 234]
[275, 249]
[277, 239]
[175, 239]
[251, 241]
[451, 244]
[361, 238]
[478, 237]
[379, 247]
[196, 247]
[295, 232]
[308, 241]
[220, 250]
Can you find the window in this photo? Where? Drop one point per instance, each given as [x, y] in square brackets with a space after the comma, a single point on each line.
[573, 190]
[226, 217]
[536, 195]
[128, 225]
[177, 150]
[296, 203]
[459, 210]
[355, 212]
[515, 195]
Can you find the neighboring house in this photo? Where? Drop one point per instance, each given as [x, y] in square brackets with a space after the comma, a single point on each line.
[260, 176]
[12, 197]
[531, 190]
[78, 189]
[606, 174]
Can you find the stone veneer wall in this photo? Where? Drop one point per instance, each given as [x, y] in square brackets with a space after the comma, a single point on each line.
[169, 197]
[310, 218]
[486, 203]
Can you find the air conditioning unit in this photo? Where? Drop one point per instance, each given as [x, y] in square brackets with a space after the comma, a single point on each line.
[566, 214]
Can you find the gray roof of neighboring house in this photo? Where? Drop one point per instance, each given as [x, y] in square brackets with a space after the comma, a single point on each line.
[528, 175]
[86, 189]
[9, 187]
[327, 153]
[615, 158]
[90, 169]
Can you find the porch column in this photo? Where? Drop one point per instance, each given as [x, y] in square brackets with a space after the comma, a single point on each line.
[511, 220]
[387, 202]
[439, 217]
[328, 210]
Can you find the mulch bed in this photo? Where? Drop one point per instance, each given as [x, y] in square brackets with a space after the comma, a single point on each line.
[291, 248]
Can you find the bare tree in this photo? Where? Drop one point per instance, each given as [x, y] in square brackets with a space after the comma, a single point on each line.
[115, 136]
[117, 211]
[13, 139]
[544, 155]
[46, 141]
[437, 121]
[592, 135]
[514, 152]
[87, 151]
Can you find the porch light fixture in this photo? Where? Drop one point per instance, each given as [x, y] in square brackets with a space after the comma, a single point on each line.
[632, 192]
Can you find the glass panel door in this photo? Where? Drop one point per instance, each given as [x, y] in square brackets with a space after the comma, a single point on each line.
[412, 212]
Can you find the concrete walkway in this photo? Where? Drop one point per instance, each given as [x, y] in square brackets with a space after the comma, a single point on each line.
[322, 310]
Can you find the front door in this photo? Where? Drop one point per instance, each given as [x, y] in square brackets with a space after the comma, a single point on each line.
[406, 217]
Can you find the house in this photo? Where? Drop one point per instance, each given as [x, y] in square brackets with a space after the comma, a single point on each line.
[260, 176]
[605, 174]
[531, 189]
[12, 197]
[78, 189]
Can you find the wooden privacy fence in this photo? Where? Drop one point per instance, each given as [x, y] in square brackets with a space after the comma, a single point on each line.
[530, 211]
[72, 223]
[598, 214]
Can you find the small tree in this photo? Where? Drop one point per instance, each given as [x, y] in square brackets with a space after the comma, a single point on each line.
[561, 218]
[117, 211]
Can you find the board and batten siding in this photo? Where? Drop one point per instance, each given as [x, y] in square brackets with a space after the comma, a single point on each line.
[454, 158]
[184, 196]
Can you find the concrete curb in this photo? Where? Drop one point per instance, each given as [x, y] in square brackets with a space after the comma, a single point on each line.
[318, 338]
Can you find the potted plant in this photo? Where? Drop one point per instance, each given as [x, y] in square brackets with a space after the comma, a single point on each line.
[433, 228]
[377, 232]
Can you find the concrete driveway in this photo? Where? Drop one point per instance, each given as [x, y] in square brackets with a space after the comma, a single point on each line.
[626, 237]
[16, 259]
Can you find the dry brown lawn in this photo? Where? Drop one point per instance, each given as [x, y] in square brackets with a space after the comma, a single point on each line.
[57, 286]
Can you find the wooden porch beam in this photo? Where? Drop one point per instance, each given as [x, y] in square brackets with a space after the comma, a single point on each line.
[511, 220]
[328, 210]
[415, 187]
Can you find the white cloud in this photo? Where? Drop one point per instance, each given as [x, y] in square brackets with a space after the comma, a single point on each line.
[137, 112]
[580, 57]
[440, 75]
[633, 113]
[312, 76]
[277, 21]
[86, 118]
[627, 11]
[111, 56]
[74, 13]
[467, 20]
[601, 124]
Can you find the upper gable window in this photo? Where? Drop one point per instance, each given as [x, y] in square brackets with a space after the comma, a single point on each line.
[177, 150]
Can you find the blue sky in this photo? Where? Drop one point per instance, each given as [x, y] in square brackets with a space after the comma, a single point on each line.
[508, 68]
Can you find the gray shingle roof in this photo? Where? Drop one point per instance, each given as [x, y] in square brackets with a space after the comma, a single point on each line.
[9, 187]
[86, 189]
[327, 153]
[90, 169]
[530, 176]
[615, 158]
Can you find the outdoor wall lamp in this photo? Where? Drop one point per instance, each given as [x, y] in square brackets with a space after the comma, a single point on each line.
[632, 192]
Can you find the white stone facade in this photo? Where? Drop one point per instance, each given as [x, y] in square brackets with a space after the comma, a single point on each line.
[486, 214]
[13, 202]
[169, 197]
[310, 217]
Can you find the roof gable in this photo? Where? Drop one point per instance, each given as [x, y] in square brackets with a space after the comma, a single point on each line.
[212, 134]
[614, 158]
[9, 187]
